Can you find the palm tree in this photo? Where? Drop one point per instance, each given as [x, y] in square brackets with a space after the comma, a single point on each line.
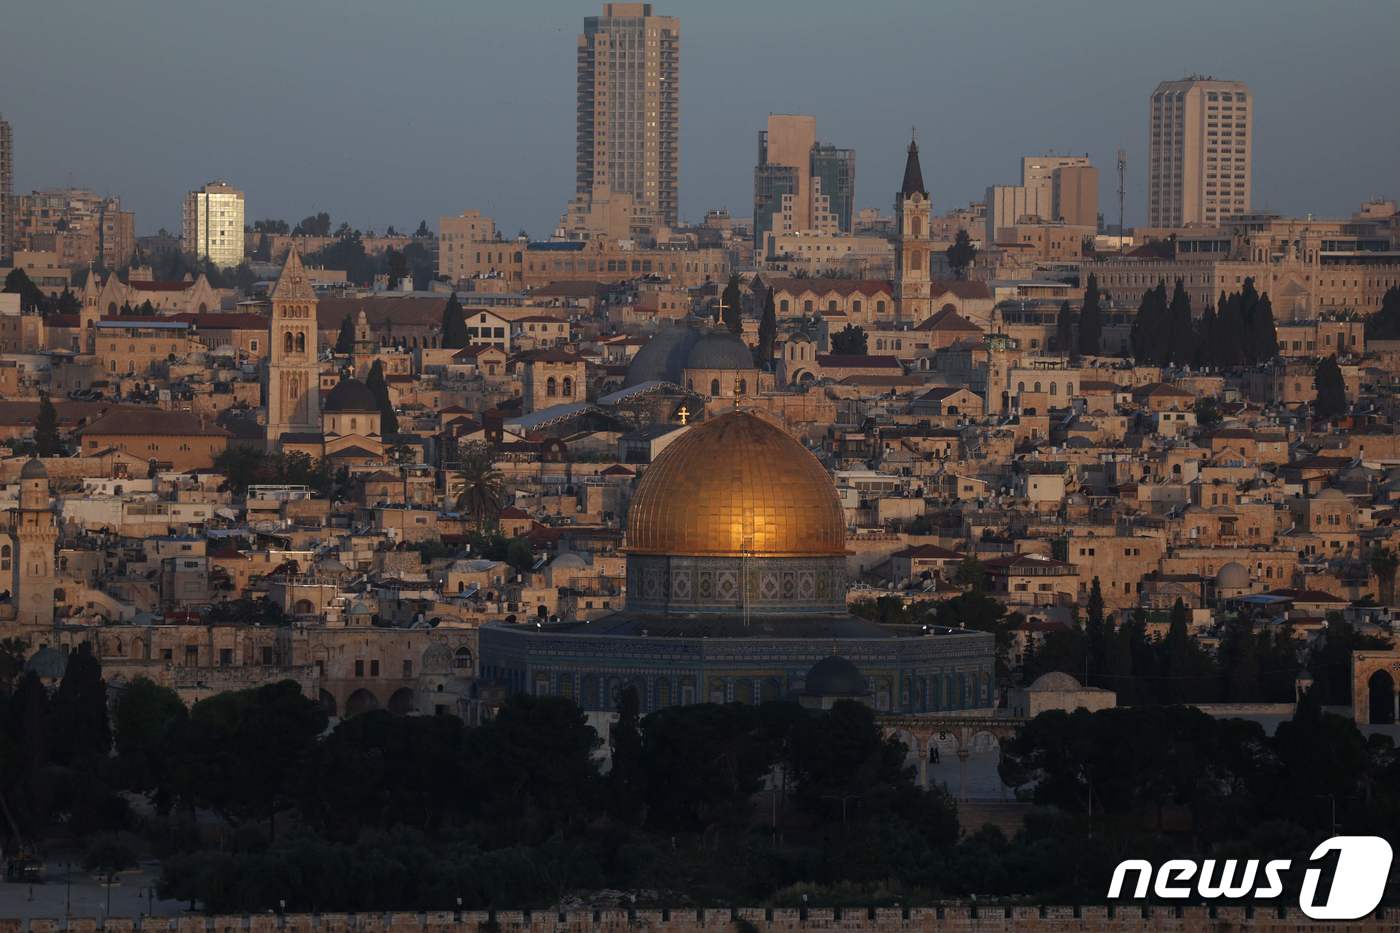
[1383, 564]
[483, 486]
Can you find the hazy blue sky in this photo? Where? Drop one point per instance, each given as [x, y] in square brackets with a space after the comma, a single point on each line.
[389, 111]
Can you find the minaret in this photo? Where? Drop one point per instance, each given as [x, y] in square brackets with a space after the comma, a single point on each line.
[293, 374]
[913, 287]
[32, 580]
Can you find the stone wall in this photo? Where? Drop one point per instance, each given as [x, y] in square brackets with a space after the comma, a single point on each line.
[875, 920]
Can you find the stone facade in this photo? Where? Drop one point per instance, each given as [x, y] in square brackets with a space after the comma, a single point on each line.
[730, 584]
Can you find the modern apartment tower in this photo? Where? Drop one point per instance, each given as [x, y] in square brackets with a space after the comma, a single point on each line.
[213, 224]
[7, 193]
[629, 97]
[800, 184]
[1199, 152]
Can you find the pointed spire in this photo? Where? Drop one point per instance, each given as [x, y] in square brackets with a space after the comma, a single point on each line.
[292, 284]
[913, 174]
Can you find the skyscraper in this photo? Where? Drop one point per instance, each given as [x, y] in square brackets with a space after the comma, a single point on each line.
[213, 224]
[1199, 151]
[7, 193]
[800, 184]
[629, 107]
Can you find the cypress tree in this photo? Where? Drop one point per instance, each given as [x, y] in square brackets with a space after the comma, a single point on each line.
[733, 300]
[1090, 319]
[388, 419]
[1331, 389]
[767, 331]
[1262, 332]
[345, 340]
[1180, 336]
[454, 324]
[46, 428]
[1064, 330]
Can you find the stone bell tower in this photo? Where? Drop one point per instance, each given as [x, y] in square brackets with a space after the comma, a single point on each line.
[293, 373]
[913, 211]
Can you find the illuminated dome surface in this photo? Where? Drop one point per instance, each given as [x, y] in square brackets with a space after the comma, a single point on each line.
[736, 486]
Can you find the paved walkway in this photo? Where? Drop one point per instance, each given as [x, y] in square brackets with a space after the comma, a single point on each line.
[82, 895]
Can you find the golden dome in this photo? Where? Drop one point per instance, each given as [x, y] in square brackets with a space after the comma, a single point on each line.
[735, 486]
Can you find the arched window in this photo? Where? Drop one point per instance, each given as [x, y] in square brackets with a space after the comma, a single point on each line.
[6, 555]
[551, 388]
[301, 343]
[1054, 388]
[831, 306]
[714, 387]
[287, 344]
[1037, 387]
[1020, 387]
[918, 259]
[743, 388]
[568, 387]
[879, 307]
[917, 227]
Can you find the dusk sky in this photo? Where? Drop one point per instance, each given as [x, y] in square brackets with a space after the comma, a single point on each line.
[385, 112]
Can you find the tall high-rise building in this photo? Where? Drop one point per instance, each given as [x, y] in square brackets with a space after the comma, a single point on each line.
[629, 97]
[213, 224]
[7, 193]
[834, 174]
[800, 184]
[1199, 152]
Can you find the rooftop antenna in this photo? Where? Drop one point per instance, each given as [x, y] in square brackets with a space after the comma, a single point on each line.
[1122, 173]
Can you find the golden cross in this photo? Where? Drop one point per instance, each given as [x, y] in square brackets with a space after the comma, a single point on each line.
[683, 413]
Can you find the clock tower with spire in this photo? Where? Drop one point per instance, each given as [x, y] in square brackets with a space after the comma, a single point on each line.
[913, 211]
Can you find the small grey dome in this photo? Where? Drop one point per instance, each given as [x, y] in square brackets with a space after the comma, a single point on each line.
[34, 469]
[350, 395]
[1232, 576]
[1055, 682]
[48, 663]
[834, 676]
[719, 350]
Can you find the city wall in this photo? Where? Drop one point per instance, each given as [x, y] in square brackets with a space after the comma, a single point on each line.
[879, 920]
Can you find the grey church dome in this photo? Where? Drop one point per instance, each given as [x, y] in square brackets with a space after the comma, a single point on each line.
[719, 350]
[663, 357]
[34, 469]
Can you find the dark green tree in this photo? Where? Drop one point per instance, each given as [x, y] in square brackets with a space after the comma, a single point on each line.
[145, 712]
[849, 340]
[388, 418]
[1064, 330]
[732, 301]
[31, 297]
[961, 254]
[1091, 320]
[1181, 334]
[81, 732]
[345, 339]
[1331, 389]
[767, 332]
[1385, 323]
[1097, 634]
[454, 324]
[626, 791]
[702, 764]
[46, 439]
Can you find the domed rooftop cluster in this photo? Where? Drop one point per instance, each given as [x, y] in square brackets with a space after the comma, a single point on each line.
[1233, 576]
[675, 349]
[736, 486]
[350, 395]
[33, 469]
